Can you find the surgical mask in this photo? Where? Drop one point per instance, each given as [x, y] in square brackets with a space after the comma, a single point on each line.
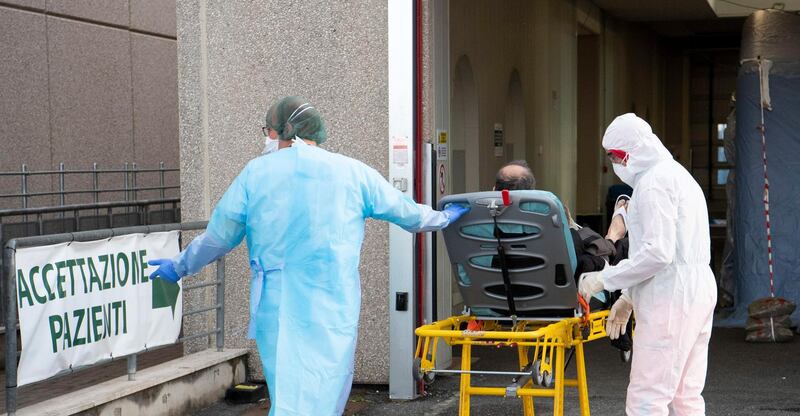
[270, 146]
[624, 173]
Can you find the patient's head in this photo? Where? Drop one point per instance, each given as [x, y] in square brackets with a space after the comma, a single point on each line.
[515, 175]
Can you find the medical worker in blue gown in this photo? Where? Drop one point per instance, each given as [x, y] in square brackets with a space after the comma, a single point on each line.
[302, 210]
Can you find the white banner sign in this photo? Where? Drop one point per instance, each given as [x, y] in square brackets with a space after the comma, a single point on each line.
[83, 302]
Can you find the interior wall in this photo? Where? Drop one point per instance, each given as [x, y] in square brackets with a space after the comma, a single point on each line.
[514, 126]
[539, 40]
[492, 61]
[676, 105]
[634, 66]
[466, 130]
[589, 131]
[535, 40]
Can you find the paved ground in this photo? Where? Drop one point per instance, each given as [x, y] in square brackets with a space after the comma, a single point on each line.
[743, 379]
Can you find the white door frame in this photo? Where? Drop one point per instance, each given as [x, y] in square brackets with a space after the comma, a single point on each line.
[401, 167]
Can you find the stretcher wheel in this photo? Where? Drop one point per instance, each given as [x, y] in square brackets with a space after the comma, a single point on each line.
[420, 375]
[538, 378]
[416, 369]
[428, 378]
[625, 356]
[548, 379]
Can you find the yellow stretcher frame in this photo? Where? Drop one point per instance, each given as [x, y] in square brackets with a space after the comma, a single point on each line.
[549, 340]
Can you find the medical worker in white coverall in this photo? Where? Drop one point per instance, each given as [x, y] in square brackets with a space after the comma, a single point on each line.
[666, 280]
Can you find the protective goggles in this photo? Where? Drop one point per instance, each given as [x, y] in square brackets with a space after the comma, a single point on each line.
[617, 156]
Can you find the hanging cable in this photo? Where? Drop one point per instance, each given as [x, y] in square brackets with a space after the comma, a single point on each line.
[764, 83]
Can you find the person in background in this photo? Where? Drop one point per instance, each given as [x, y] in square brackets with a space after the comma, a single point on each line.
[592, 251]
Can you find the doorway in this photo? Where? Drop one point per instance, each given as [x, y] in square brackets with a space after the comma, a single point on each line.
[588, 201]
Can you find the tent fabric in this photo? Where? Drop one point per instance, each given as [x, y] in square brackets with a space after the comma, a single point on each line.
[782, 128]
[764, 37]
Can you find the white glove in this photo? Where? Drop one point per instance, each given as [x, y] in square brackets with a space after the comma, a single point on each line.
[617, 322]
[590, 283]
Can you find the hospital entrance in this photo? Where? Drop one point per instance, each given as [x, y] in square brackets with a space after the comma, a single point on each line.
[540, 82]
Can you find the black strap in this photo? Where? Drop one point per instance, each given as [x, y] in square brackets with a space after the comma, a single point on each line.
[501, 252]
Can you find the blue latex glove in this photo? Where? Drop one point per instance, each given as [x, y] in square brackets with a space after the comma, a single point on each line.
[454, 212]
[166, 270]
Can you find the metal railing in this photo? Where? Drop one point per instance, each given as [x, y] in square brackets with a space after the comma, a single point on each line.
[10, 297]
[137, 213]
[15, 223]
[130, 174]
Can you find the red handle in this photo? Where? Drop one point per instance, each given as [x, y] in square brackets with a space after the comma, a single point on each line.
[506, 197]
[586, 310]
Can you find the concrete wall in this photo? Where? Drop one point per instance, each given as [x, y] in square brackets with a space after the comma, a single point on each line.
[84, 82]
[234, 59]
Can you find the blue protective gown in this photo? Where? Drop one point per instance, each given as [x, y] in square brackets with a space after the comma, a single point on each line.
[302, 210]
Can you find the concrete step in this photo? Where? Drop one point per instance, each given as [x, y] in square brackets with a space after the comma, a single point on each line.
[178, 386]
[87, 377]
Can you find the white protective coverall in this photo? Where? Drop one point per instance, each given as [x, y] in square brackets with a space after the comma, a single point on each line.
[667, 274]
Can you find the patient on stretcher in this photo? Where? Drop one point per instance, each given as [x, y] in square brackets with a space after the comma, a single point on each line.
[591, 250]
[531, 241]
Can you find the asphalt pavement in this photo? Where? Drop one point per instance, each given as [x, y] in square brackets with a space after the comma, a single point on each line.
[743, 379]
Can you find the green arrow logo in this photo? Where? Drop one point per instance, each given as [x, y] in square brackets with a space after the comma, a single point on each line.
[165, 294]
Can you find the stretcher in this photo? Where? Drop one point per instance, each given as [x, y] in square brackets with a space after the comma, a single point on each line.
[513, 261]
[542, 347]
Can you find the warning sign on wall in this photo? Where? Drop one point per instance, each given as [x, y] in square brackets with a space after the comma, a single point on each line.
[442, 147]
[498, 140]
[400, 151]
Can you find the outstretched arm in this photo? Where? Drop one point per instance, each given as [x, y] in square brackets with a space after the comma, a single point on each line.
[224, 232]
[384, 202]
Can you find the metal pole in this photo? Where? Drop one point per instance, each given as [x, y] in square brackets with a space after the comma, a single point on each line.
[10, 285]
[61, 186]
[133, 184]
[221, 303]
[127, 193]
[95, 186]
[24, 185]
[139, 210]
[24, 177]
[132, 367]
[161, 183]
